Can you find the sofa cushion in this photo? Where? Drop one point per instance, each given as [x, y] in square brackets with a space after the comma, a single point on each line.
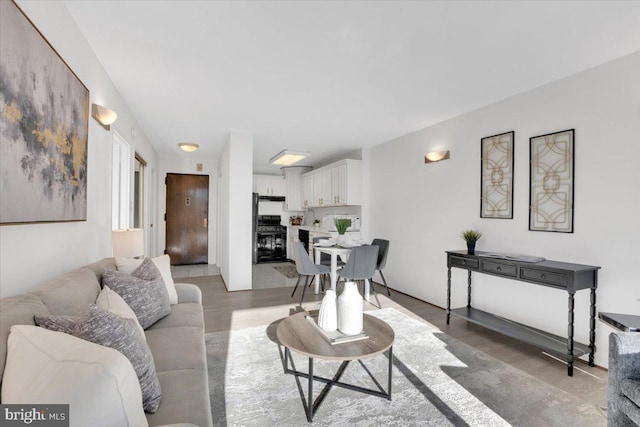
[99, 267]
[17, 310]
[147, 298]
[97, 382]
[185, 398]
[162, 263]
[168, 347]
[111, 330]
[181, 315]
[631, 389]
[71, 293]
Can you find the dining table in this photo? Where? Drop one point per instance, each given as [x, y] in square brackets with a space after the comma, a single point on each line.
[335, 251]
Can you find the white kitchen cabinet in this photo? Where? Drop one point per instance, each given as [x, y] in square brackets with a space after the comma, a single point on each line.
[293, 183]
[307, 191]
[337, 184]
[322, 188]
[269, 185]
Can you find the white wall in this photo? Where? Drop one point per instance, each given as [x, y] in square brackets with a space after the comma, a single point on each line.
[187, 164]
[32, 254]
[422, 208]
[235, 202]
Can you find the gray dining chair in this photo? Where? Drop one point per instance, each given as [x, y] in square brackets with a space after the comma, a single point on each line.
[307, 269]
[361, 266]
[382, 259]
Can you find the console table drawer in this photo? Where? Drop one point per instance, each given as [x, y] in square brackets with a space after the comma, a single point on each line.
[468, 263]
[544, 276]
[500, 269]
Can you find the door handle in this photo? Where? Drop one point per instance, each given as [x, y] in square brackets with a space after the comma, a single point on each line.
[205, 223]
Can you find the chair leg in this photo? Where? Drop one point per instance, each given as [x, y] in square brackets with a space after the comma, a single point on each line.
[385, 282]
[375, 294]
[296, 287]
[304, 289]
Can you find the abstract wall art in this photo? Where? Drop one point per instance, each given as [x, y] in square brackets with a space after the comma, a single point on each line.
[496, 181]
[551, 169]
[44, 120]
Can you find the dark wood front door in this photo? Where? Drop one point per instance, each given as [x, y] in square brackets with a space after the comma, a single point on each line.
[187, 222]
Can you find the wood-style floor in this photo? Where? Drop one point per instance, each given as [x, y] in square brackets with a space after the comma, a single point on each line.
[237, 310]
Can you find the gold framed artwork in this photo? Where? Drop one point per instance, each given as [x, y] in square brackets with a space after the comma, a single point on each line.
[551, 174]
[43, 127]
[496, 180]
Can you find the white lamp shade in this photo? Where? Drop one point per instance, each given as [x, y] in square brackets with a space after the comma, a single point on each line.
[128, 243]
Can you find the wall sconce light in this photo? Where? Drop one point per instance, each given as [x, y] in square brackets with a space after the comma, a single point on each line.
[288, 157]
[436, 156]
[189, 147]
[103, 115]
[128, 243]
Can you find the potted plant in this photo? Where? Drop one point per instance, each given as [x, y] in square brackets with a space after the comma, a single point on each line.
[341, 226]
[471, 237]
[316, 223]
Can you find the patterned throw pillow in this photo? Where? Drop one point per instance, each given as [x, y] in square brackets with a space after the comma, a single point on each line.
[111, 330]
[143, 290]
[113, 303]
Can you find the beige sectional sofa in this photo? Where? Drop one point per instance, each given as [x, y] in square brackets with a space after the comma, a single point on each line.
[176, 341]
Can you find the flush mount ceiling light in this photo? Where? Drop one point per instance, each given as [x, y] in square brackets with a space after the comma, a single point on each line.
[189, 147]
[436, 156]
[103, 115]
[288, 157]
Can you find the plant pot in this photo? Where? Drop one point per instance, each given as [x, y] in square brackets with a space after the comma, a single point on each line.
[471, 248]
[341, 240]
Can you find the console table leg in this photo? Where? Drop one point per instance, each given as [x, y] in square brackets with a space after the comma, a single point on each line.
[448, 294]
[469, 290]
[310, 391]
[592, 324]
[570, 335]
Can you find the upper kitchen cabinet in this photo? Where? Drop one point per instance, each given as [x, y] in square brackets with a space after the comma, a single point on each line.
[307, 190]
[269, 185]
[337, 184]
[293, 198]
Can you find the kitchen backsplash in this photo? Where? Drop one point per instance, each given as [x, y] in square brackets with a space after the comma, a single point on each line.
[318, 213]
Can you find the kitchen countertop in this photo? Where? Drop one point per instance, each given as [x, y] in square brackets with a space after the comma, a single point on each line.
[314, 229]
[310, 228]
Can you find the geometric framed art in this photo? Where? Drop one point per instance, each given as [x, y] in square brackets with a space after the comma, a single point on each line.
[496, 180]
[551, 175]
[44, 122]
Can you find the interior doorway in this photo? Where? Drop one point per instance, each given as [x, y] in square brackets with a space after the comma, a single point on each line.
[139, 167]
[187, 218]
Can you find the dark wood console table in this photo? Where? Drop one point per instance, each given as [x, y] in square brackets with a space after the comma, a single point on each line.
[559, 275]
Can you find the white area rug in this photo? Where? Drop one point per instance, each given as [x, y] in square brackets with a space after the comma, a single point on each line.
[437, 381]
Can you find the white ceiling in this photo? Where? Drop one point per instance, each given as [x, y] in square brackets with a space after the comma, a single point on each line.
[331, 77]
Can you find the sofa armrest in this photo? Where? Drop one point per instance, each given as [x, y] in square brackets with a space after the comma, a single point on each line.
[188, 292]
[624, 363]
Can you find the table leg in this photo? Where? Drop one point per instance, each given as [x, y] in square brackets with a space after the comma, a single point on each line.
[310, 391]
[367, 290]
[448, 294]
[334, 270]
[318, 256]
[390, 370]
[570, 337]
[592, 325]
